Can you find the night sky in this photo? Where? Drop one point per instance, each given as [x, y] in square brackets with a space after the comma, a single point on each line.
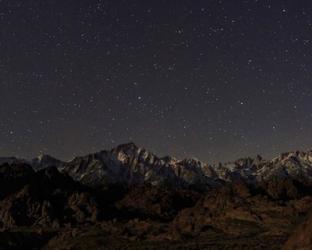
[216, 80]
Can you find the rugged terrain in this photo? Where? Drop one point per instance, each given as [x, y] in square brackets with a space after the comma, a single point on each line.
[128, 198]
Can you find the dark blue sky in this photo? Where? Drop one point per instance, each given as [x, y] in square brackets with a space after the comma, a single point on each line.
[216, 80]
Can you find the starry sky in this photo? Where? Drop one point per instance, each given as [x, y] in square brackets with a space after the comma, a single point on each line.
[216, 80]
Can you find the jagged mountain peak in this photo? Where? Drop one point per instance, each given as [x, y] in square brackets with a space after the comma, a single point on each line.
[192, 162]
[44, 161]
[300, 156]
[130, 153]
[129, 148]
[132, 164]
[44, 157]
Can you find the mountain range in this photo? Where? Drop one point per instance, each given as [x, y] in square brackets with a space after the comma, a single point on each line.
[129, 198]
[128, 164]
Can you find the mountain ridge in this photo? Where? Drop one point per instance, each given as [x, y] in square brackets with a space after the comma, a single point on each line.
[130, 164]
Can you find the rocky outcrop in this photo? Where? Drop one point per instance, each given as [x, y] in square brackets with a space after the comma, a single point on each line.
[46, 198]
[301, 239]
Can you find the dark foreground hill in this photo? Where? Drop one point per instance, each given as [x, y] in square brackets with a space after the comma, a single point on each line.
[128, 198]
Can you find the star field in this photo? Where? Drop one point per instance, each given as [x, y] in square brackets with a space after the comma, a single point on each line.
[216, 80]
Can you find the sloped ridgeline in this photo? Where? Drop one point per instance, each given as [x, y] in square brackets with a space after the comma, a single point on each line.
[128, 198]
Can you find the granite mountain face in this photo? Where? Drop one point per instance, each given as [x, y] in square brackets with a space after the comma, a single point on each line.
[129, 164]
